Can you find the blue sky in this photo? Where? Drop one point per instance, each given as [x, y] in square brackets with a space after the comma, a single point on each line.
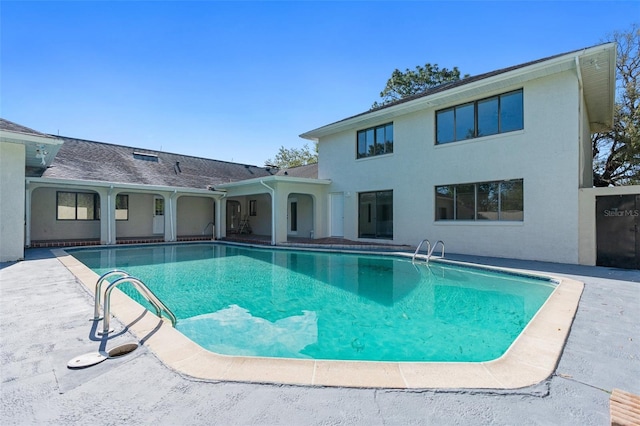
[235, 81]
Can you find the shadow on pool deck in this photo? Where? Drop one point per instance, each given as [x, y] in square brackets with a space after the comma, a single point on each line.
[44, 323]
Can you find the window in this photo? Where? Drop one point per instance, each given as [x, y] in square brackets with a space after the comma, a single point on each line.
[375, 215]
[122, 207]
[498, 114]
[294, 216]
[77, 206]
[481, 201]
[375, 141]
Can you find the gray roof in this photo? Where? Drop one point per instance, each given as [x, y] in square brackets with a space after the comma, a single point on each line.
[307, 171]
[88, 160]
[10, 126]
[447, 86]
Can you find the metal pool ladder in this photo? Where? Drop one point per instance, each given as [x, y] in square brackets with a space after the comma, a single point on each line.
[124, 277]
[430, 249]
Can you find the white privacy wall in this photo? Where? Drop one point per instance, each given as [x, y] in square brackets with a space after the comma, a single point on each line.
[546, 154]
[12, 188]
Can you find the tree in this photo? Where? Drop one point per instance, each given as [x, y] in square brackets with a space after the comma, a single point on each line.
[411, 82]
[616, 153]
[293, 157]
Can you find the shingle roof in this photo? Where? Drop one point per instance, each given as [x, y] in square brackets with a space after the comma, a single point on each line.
[306, 171]
[14, 127]
[88, 160]
[462, 82]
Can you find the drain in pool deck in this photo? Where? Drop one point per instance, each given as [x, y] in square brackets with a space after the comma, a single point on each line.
[94, 358]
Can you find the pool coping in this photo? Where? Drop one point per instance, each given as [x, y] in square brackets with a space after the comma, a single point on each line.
[531, 359]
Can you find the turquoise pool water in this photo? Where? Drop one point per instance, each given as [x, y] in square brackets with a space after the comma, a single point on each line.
[298, 304]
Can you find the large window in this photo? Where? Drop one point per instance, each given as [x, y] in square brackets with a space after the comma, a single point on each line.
[498, 114]
[375, 141]
[375, 215]
[77, 206]
[122, 207]
[501, 200]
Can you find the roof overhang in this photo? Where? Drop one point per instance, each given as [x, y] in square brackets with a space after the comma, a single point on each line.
[597, 65]
[275, 179]
[89, 184]
[39, 150]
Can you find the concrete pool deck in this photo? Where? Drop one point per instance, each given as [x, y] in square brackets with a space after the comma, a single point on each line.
[44, 323]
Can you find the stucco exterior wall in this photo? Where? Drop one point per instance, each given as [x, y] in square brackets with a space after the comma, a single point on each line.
[12, 188]
[261, 222]
[140, 222]
[305, 214]
[194, 214]
[45, 226]
[545, 154]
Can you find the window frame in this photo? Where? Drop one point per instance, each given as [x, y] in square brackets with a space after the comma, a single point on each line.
[379, 147]
[501, 213]
[125, 197]
[373, 213]
[96, 206]
[499, 117]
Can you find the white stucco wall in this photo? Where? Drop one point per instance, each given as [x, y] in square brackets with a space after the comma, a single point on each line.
[140, 221]
[305, 214]
[45, 226]
[261, 222]
[193, 215]
[545, 154]
[12, 190]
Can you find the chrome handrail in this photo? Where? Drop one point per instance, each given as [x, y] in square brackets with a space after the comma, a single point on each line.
[430, 249]
[206, 226]
[144, 291]
[98, 290]
[413, 259]
[434, 248]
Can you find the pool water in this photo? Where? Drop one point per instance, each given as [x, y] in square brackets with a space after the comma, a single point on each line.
[300, 304]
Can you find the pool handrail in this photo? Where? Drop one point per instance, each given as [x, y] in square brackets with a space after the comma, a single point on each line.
[144, 291]
[430, 249]
[98, 290]
[434, 249]
[413, 259]
[207, 226]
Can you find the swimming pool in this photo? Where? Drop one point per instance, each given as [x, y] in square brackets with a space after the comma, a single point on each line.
[328, 306]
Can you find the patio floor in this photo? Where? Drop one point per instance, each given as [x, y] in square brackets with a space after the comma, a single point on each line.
[44, 323]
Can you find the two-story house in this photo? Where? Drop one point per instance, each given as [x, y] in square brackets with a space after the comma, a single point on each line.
[497, 164]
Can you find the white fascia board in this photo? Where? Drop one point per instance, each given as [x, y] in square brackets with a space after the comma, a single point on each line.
[268, 179]
[508, 78]
[24, 138]
[118, 185]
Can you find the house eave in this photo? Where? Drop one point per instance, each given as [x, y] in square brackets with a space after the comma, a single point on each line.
[269, 179]
[36, 147]
[88, 184]
[477, 88]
